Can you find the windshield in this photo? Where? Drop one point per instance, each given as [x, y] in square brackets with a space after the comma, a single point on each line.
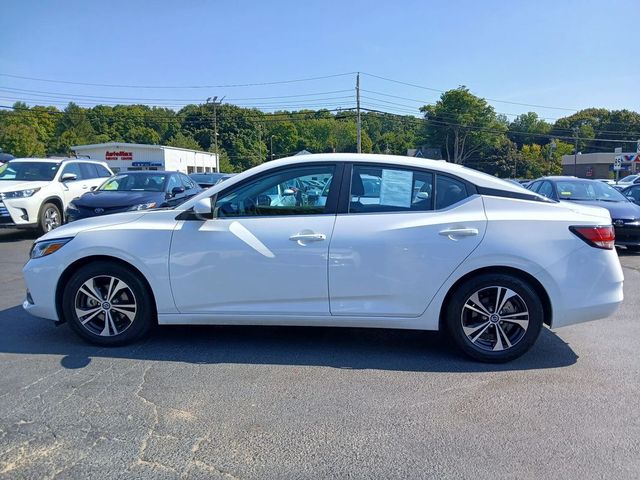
[206, 177]
[138, 182]
[629, 179]
[29, 171]
[589, 190]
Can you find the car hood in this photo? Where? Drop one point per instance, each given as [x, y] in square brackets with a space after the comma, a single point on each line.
[626, 210]
[92, 223]
[13, 185]
[105, 198]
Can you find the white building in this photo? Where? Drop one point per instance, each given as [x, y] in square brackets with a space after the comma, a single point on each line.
[134, 156]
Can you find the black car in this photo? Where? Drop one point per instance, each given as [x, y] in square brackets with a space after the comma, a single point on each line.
[632, 192]
[133, 191]
[625, 214]
[206, 180]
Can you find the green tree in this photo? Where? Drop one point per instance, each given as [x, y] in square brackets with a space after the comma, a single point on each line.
[21, 141]
[73, 128]
[463, 125]
[181, 140]
[528, 128]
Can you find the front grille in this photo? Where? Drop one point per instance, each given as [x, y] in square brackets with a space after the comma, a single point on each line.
[3, 211]
[91, 211]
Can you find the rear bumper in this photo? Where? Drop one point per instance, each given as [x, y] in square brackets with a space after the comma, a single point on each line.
[583, 286]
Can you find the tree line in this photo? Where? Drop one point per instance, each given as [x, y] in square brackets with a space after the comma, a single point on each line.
[465, 128]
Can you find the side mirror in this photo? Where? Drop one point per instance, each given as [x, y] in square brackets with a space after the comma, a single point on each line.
[68, 177]
[288, 191]
[177, 191]
[93, 188]
[422, 196]
[202, 209]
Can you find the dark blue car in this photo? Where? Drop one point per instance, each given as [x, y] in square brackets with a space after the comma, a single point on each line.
[128, 191]
[625, 214]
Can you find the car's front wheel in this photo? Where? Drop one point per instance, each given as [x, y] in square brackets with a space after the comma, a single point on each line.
[495, 317]
[50, 218]
[107, 304]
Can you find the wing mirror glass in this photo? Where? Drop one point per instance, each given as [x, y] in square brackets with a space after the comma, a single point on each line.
[288, 191]
[68, 177]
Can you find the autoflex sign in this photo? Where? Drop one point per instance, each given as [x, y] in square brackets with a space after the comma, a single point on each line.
[118, 155]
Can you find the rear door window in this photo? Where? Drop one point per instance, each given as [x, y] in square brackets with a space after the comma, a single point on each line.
[88, 170]
[386, 189]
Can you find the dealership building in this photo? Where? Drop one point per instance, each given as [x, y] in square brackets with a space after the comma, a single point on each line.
[133, 156]
[599, 165]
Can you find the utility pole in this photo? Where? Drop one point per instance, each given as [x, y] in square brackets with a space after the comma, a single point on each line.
[215, 103]
[271, 147]
[575, 151]
[358, 120]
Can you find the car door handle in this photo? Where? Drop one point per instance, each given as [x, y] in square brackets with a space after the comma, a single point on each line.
[308, 237]
[459, 232]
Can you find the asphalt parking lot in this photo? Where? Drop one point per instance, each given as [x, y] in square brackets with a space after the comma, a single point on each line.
[239, 402]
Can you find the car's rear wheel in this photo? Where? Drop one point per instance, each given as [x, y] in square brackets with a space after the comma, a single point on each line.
[107, 304]
[50, 218]
[495, 317]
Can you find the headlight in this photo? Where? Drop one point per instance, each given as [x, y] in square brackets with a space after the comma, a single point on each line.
[47, 247]
[21, 193]
[143, 206]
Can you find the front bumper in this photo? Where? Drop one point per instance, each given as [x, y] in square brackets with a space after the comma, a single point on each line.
[18, 213]
[628, 233]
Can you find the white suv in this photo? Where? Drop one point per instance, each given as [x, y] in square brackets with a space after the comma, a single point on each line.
[34, 192]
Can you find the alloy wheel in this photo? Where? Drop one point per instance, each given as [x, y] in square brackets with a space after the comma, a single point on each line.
[495, 318]
[105, 305]
[51, 219]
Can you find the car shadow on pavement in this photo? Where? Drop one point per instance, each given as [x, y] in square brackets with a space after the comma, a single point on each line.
[349, 348]
[11, 235]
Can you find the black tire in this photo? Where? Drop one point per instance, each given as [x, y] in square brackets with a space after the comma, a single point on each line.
[44, 221]
[130, 324]
[498, 334]
[633, 248]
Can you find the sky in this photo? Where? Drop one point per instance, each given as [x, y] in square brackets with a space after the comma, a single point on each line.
[562, 54]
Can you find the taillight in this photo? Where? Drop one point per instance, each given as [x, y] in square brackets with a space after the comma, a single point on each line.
[597, 236]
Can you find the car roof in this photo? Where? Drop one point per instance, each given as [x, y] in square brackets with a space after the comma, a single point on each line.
[565, 178]
[143, 172]
[474, 176]
[55, 160]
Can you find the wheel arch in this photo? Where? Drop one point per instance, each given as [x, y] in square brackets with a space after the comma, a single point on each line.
[75, 266]
[57, 201]
[521, 274]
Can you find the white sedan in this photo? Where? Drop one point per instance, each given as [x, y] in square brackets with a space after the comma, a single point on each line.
[397, 243]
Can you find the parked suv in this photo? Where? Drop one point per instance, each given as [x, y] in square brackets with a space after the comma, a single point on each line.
[34, 192]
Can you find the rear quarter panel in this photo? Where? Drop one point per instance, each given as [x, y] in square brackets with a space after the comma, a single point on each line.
[534, 237]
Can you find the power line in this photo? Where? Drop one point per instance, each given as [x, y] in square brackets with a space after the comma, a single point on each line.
[40, 93]
[486, 98]
[232, 85]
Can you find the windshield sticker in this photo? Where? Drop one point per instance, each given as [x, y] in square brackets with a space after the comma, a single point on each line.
[395, 190]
